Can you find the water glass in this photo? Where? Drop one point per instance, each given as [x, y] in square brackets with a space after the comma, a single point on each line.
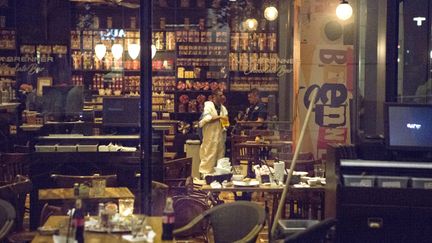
[237, 170]
[126, 207]
[98, 187]
[319, 170]
[137, 223]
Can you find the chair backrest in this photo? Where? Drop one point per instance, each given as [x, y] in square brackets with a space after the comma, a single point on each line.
[15, 193]
[176, 172]
[158, 196]
[177, 168]
[13, 164]
[187, 208]
[69, 180]
[315, 233]
[239, 153]
[159, 192]
[7, 218]
[239, 221]
[47, 211]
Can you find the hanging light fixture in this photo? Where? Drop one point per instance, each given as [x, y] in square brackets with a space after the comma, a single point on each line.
[100, 50]
[270, 13]
[117, 51]
[344, 10]
[250, 24]
[134, 50]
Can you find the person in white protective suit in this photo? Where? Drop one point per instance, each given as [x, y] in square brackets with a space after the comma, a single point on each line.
[213, 133]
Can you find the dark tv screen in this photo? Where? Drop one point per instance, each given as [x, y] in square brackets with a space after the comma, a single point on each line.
[62, 103]
[408, 126]
[121, 111]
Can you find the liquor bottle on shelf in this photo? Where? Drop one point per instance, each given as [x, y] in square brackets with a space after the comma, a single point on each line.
[133, 22]
[109, 22]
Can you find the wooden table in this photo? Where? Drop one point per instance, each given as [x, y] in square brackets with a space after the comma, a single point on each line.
[261, 188]
[274, 190]
[91, 237]
[68, 194]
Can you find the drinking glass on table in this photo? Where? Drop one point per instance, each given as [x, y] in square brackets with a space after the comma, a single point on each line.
[98, 187]
[319, 170]
[237, 170]
[126, 206]
[137, 223]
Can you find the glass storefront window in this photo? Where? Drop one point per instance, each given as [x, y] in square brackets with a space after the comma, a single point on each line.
[414, 61]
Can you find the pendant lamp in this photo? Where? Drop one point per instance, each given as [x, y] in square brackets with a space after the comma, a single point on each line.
[344, 10]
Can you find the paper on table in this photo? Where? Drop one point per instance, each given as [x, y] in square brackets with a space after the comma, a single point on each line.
[142, 238]
[62, 239]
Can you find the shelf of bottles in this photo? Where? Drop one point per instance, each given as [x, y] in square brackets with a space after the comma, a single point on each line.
[202, 66]
[7, 68]
[163, 66]
[110, 76]
[253, 57]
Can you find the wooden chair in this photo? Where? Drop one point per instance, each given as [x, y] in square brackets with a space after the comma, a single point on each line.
[186, 208]
[240, 153]
[15, 193]
[158, 196]
[239, 221]
[67, 181]
[176, 172]
[7, 218]
[13, 164]
[48, 211]
[305, 161]
[27, 236]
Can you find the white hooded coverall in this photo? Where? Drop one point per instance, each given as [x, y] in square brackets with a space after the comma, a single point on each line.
[214, 136]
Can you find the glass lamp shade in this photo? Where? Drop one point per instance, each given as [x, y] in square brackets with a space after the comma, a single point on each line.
[134, 50]
[250, 24]
[153, 51]
[100, 50]
[117, 51]
[270, 13]
[344, 10]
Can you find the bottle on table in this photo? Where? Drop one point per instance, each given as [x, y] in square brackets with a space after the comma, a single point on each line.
[168, 219]
[76, 189]
[78, 221]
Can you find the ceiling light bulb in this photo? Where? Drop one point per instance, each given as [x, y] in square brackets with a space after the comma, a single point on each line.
[100, 50]
[250, 24]
[344, 10]
[117, 51]
[153, 51]
[134, 50]
[271, 13]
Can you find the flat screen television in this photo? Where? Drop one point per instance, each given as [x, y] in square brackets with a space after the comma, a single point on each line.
[408, 126]
[62, 103]
[121, 112]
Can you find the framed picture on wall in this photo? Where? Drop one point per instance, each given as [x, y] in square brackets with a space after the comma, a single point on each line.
[41, 82]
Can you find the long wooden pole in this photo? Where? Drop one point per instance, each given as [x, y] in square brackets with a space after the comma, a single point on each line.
[293, 163]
